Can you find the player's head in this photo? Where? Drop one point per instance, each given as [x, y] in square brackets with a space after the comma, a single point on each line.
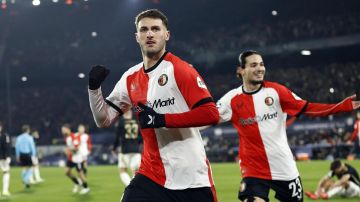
[336, 166]
[66, 129]
[152, 32]
[25, 128]
[81, 128]
[35, 134]
[252, 68]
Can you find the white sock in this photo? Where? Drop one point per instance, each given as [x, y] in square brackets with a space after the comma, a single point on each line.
[37, 173]
[334, 191]
[6, 182]
[125, 178]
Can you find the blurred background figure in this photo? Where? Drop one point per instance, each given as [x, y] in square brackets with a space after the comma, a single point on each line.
[127, 146]
[5, 152]
[35, 177]
[85, 145]
[25, 152]
[355, 136]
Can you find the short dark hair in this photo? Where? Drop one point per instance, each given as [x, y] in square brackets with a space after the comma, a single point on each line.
[335, 165]
[152, 13]
[25, 128]
[66, 125]
[244, 55]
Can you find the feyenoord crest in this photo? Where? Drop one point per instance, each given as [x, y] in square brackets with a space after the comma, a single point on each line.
[269, 101]
[163, 79]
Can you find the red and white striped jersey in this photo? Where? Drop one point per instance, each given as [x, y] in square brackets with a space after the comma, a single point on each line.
[73, 143]
[260, 119]
[85, 144]
[356, 132]
[172, 157]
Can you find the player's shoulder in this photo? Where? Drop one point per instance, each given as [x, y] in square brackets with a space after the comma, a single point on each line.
[133, 69]
[232, 93]
[271, 84]
[177, 62]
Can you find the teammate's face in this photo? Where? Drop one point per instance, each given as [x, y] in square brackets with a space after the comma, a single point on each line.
[254, 70]
[151, 34]
[65, 131]
[81, 129]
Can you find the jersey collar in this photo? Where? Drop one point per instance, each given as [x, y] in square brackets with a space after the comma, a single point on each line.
[253, 92]
[157, 63]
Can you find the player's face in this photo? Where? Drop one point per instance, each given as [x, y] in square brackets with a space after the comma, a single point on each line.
[254, 70]
[151, 34]
[65, 131]
[81, 129]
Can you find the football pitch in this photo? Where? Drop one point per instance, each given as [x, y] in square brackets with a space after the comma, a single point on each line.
[105, 184]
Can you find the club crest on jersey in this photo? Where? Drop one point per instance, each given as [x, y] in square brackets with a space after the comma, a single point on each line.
[163, 79]
[269, 101]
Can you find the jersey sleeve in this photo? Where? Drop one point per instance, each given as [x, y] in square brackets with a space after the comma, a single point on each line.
[224, 107]
[119, 98]
[191, 85]
[290, 102]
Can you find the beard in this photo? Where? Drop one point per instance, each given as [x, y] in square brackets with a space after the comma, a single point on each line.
[254, 82]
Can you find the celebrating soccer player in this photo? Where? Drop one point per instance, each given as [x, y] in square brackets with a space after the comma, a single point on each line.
[258, 110]
[171, 100]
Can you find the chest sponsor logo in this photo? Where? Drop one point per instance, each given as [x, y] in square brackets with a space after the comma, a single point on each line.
[258, 118]
[163, 103]
[163, 79]
[269, 101]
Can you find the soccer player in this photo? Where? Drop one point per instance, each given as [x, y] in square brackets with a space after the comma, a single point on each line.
[25, 152]
[355, 137]
[347, 185]
[258, 110]
[171, 100]
[85, 144]
[129, 156]
[35, 177]
[5, 146]
[74, 160]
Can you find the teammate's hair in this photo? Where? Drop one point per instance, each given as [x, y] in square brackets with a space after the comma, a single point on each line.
[335, 165]
[244, 55]
[25, 128]
[152, 13]
[66, 125]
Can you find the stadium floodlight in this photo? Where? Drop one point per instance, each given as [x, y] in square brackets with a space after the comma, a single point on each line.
[331, 90]
[36, 2]
[81, 75]
[55, 1]
[24, 78]
[94, 34]
[305, 52]
[274, 13]
[12, 1]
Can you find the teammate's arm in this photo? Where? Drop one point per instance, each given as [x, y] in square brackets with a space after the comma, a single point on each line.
[317, 109]
[342, 181]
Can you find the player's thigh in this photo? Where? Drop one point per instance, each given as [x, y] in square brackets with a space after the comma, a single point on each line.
[135, 160]
[254, 189]
[291, 191]
[123, 160]
[4, 166]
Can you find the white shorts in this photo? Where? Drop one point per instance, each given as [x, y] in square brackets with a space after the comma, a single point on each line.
[5, 166]
[129, 160]
[352, 191]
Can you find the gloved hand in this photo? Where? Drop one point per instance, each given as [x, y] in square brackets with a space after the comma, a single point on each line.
[148, 118]
[97, 75]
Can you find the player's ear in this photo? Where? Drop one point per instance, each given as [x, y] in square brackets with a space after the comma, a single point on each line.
[167, 35]
[137, 37]
[239, 71]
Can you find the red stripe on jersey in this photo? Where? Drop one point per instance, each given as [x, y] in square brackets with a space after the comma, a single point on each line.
[254, 161]
[151, 163]
[355, 134]
[211, 181]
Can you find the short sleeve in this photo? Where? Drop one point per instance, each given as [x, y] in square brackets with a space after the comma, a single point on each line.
[191, 85]
[119, 98]
[290, 102]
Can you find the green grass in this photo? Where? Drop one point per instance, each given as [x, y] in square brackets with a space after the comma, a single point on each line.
[106, 186]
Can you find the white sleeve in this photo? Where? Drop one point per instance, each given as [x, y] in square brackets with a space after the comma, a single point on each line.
[105, 112]
[224, 107]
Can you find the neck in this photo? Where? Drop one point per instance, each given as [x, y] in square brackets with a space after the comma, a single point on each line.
[151, 59]
[250, 87]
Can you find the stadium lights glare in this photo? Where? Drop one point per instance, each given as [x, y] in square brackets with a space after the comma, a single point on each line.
[331, 90]
[81, 75]
[94, 34]
[55, 1]
[274, 13]
[305, 52]
[24, 79]
[36, 2]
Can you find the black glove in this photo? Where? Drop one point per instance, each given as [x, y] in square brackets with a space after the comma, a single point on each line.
[148, 118]
[97, 75]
